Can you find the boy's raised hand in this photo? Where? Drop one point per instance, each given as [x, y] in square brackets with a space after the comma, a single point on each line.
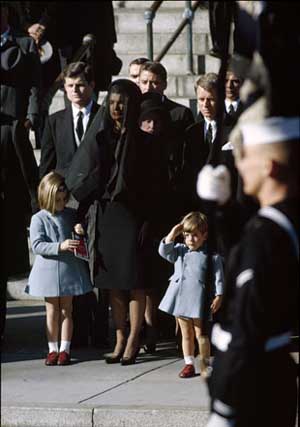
[176, 231]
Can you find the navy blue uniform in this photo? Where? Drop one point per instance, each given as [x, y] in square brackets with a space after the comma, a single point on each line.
[254, 377]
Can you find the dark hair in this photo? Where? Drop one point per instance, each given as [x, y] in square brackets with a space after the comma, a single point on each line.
[132, 98]
[156, 68]
[138, 61]
[75, 69]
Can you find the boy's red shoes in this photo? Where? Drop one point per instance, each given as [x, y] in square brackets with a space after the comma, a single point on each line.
[51, 359]
[63, 358]
[187, 372]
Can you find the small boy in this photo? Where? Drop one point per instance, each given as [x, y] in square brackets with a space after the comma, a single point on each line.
[185, 295]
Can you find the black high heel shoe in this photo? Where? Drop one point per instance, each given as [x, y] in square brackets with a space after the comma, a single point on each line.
[114, 358]
[151, 339]
[125, 361]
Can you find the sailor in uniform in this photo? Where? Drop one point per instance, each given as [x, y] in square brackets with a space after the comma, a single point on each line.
[253, 382]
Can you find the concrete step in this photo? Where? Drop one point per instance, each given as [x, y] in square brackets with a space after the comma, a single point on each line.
[132, 21]
[135, 43]
[167, 4]
[176, 64]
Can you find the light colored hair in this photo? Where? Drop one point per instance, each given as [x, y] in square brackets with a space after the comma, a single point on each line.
[50, 185]
[195, 221]
[207, 81]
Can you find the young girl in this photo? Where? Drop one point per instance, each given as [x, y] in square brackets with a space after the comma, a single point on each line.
[56, 274]
[184, 297]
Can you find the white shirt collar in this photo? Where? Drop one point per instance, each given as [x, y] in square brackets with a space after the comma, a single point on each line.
[213, 123]
[233, 103]
[85, 110]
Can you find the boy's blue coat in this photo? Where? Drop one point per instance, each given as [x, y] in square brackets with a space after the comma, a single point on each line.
[185, 294]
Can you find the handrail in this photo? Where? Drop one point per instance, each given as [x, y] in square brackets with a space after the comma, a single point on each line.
[149, 16]
[155, 5]
[88, 43]
[177, 32]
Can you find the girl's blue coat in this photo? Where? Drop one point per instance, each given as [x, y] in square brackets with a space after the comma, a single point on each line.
[55, 273]
[185, 294]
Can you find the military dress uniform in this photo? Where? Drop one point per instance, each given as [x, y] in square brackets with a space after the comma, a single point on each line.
[253, 382]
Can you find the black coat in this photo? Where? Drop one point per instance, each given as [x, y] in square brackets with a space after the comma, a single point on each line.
[113, 179]
[181, 118]
[260, 302]
[68, 23]
[197, 153]
[19, 171]
[58, 143]
[231, 119]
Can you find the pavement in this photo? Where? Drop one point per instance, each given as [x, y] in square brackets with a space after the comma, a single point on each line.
[90, 393]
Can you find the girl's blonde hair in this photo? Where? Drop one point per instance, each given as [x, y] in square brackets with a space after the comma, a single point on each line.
[50, 185]
[195, 221]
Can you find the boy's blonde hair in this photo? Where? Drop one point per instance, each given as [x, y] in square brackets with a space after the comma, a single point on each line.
[50, 185]
[195, 221]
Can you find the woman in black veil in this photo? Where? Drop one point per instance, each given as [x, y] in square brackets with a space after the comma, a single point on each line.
[109, 177]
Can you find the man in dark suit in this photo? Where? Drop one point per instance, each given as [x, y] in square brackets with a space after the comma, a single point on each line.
[65, 129]
[20, 82]
[233, 104]
[153, 78]
[200, 137]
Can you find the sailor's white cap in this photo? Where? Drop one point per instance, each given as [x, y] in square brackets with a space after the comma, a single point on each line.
[271, 130]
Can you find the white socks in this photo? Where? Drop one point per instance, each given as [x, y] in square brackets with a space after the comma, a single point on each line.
[65, 346]
[53, 346]
[189, 360]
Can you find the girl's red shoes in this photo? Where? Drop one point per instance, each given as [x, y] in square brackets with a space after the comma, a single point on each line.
[63, 358]
[187, 372]
[51, 359]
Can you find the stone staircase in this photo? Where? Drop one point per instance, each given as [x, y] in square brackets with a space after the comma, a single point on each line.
[132, 43]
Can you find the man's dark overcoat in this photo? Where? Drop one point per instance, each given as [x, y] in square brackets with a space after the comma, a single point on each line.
[20, 82]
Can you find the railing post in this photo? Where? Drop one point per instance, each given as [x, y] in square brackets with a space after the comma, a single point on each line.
[149, 15]
[189, 15]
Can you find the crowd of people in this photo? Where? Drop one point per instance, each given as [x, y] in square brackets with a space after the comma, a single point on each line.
[132, 177]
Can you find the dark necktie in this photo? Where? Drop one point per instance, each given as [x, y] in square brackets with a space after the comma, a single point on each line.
[209, 135]
[79, 126]
[231, 110]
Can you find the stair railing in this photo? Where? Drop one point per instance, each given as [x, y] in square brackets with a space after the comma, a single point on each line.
[149, 16]
[188, 17]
